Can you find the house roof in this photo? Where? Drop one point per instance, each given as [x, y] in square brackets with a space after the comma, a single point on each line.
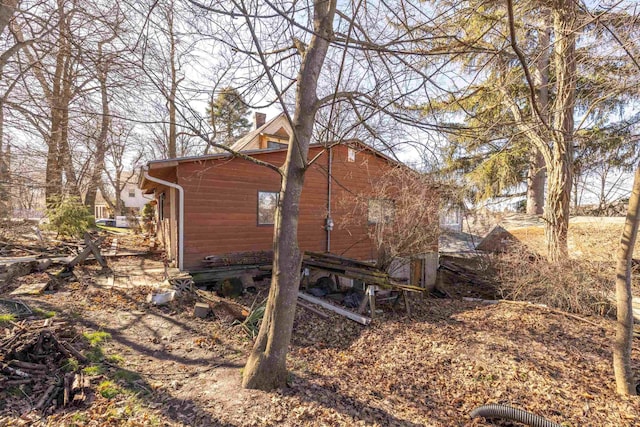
[164, 163]
[270, 127]
[163, 166]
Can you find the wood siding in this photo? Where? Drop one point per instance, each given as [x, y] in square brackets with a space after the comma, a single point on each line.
[221, 197]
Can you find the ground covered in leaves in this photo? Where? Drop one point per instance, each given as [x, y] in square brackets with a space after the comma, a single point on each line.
[159, 365]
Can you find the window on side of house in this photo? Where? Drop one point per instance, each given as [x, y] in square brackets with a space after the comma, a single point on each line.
[351, 155]
[161, 207]
[267, 202]
[381, 211]
[132, 192]
[274, 144]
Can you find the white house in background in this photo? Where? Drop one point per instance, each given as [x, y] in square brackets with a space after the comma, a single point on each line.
[131, 196]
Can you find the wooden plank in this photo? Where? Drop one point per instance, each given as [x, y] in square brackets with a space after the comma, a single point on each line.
[349, 268]
[363, 320]
[95, 249]
[31, 289]
[313, 310]
[328, 257]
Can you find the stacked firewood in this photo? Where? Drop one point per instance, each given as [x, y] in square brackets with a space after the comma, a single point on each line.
[39, 368]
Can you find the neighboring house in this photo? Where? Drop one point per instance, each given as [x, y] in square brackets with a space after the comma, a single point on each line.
[265, 135]
[132, 197]
[228, 203]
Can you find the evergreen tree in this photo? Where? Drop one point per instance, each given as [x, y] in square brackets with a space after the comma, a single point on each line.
[227, 116]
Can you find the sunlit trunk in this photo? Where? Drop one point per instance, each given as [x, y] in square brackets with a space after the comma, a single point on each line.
[266, 367]
[625, 382]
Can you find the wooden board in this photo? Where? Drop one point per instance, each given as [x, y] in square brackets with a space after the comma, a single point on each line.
[31, 289]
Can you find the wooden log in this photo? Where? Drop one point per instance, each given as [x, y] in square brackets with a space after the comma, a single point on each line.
[45, 397]
[346, 268]
[346, 313]
[338, 259]
[68, 350]
[221, 273]
[68, 382]
[240, 258]
[28, 365]
[12, 383]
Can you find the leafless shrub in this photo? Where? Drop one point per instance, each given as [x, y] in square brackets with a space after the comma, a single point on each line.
[401, 212]
[576, 286]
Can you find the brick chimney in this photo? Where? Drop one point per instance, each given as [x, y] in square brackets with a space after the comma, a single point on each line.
[259, 119]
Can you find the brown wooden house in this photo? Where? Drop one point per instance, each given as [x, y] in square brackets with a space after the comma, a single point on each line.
[228, 203]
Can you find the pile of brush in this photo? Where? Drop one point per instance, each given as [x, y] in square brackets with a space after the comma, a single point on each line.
[39, 368]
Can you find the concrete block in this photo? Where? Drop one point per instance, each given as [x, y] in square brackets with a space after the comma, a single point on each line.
[201, 310]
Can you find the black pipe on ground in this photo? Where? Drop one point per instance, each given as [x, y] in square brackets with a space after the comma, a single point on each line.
[512, 414]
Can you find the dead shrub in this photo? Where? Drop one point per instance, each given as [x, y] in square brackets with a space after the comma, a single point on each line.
[575, 286]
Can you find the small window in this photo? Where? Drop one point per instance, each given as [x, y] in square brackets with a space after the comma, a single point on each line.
[267, 203]
[351, 155]
[381, 211]
[161, 207]
[132, 192]
[274, 144]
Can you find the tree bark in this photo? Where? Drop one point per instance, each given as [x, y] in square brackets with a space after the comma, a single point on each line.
[101, 142]
[625, 381]
[536, 175]
[171, 99]
[556, 212]
[5, 170]
[266, 366]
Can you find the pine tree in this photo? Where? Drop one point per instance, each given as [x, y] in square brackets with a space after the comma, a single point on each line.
[227, 116]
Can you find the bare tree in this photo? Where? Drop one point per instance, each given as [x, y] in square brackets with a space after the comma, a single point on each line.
[400, 212]
[266, 367]
[625, 381]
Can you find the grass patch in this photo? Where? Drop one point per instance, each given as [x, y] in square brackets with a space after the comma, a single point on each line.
[108, 389]
[116, 359]
[93, 370]
[127, 376]
[79, 419]
[7, 318]
[97, 338]
[94, 354]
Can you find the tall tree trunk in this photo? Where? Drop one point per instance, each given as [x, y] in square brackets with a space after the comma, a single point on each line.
[53, 173]
[266, 367]
[556, 212]
[536, 175]
[171, 100]
[66, 159]
[101, 142]
[625, 382]
[5, 170]
[559, 182]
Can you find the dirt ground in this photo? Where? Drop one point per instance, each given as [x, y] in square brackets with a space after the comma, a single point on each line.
[430, 369]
